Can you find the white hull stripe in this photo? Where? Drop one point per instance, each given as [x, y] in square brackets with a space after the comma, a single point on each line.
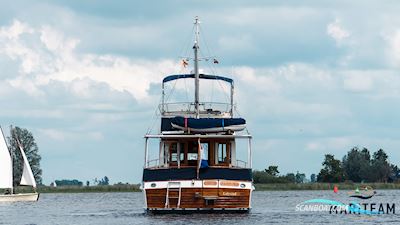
[200, 184]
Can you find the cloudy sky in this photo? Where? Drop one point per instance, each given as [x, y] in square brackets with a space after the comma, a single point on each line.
[311, 78]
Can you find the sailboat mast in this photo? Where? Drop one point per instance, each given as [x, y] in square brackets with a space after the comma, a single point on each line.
[12, 160]
[196, 67]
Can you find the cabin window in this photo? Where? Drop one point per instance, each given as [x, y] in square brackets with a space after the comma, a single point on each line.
[204, 147]
[182, 152]
[192, 156]
[173, 149]
[222, 153]
[176, 152]
[193, 151]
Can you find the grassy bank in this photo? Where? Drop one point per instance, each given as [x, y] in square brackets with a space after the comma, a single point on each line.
[323, 186]
[82, 189]
[259, 187]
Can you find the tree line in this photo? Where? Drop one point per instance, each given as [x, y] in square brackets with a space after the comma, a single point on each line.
[271, 175]
[99, 182]
[357, 166]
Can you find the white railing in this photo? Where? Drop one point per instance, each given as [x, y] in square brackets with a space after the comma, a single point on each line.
[238, 162]
[153, 163]
[214, 108]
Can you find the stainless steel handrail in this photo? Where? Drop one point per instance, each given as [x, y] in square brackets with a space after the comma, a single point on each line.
[241, 161]
[153, 160]
[188, 107]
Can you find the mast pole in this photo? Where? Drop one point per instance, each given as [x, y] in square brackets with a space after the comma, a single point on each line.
[196, 66]
[163, 98]
[12, 160]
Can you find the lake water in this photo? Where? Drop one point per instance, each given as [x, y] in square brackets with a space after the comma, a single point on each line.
[276, 207]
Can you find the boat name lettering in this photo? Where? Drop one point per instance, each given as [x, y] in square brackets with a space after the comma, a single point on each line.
[229, 183]
[229, 193]
[211, 183]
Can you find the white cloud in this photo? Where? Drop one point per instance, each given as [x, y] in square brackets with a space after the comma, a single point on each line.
[337, 32]
[55, 58]
[62, 135]
[26, 85]
[55, 40]
[53, 134]
[238, 43]
[313, 146]
[14, 31]
[96, 135]
[330, 144]
[358, 81]
[12, 45]
[393, 47]
[257, 79]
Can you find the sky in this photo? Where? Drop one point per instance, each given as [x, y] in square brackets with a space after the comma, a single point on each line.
[311, 77]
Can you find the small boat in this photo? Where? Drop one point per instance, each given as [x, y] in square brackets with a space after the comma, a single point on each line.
[365, 192]
[6, 175]
[208, 125]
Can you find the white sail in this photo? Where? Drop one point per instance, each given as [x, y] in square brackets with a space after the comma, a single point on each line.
[6, 176]
[27, 175]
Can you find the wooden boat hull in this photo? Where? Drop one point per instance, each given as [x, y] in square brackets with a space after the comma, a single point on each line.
[26, 197]
[206, 195]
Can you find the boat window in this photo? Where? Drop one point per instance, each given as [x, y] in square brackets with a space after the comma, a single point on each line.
[182, 152]
[174, 152]
[204, 155]
[193, 152]
[204, 147]
[192, 156]
[222, 153]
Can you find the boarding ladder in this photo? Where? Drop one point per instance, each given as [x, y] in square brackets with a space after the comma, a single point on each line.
[174, 191]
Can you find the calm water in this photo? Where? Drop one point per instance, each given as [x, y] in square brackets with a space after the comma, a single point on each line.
[276, 207]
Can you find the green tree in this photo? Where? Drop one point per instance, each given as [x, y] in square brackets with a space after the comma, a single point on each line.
[357, 164]
[395, 173]
[31, 151]
[104, 181]
[313, 178]
[265, 178]
[381, 169]
[272, 170]
[290, 178]
[73, 182]
[332, 171]
[300, 177]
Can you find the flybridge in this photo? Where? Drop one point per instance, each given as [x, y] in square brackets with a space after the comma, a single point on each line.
[204, 109]
[197, 109]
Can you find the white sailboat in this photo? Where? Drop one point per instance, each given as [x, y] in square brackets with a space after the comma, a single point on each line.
[6, 174]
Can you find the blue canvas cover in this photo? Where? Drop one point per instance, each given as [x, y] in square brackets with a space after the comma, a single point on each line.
[204, 123]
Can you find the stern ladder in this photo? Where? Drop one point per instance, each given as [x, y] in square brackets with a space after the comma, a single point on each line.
[173, 187]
